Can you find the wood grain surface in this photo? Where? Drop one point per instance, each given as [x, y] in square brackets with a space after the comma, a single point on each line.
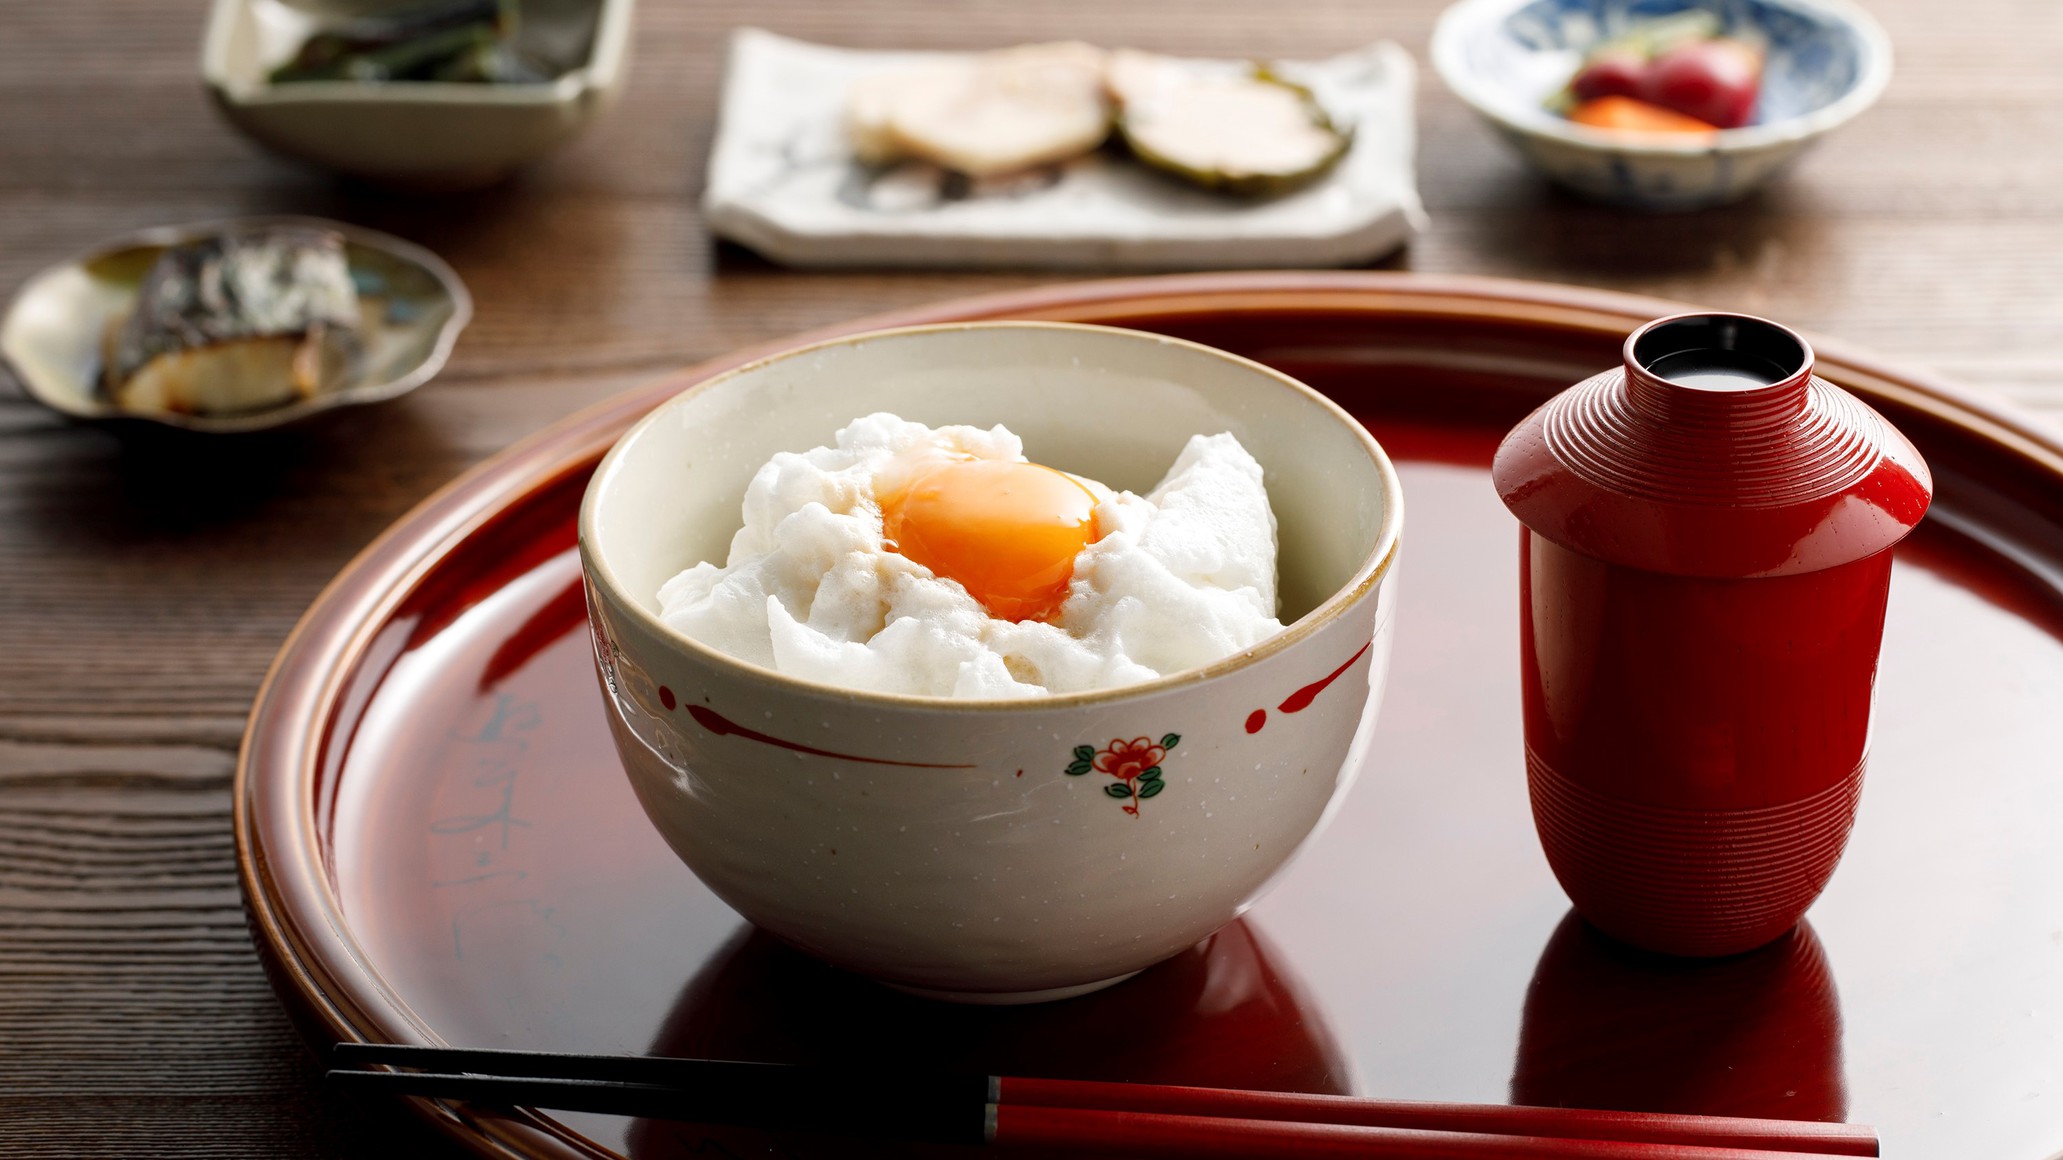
[147, 582]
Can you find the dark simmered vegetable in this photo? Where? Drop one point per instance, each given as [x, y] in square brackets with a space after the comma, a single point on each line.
[467, 41]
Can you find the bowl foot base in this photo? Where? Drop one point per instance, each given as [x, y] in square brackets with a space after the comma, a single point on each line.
[1011, 998]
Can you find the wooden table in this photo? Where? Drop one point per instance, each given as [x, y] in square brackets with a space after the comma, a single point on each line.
[146, 586]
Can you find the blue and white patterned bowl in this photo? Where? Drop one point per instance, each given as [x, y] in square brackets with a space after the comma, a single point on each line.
[1827, 60]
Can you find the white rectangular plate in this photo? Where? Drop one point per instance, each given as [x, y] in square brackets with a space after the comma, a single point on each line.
[782, 180]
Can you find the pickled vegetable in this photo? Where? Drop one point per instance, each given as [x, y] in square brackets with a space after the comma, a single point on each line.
[1716, 81]
[1630, 115]
[1680, 63]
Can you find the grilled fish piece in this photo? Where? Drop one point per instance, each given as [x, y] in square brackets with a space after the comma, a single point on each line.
[238, 322]
[986, 115]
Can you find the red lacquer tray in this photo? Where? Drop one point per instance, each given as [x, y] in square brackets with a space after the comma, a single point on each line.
[437, 844]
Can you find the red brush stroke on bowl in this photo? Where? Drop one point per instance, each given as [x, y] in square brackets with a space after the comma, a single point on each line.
[1302, 698]
[722, 726]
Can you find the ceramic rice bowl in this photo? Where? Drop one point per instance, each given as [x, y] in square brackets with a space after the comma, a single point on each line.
[996, 851]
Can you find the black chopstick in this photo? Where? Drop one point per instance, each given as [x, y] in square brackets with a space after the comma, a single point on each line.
[639, 1069]
[870, 1109]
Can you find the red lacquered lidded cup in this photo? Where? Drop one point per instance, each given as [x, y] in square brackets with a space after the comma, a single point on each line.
[1704, 567]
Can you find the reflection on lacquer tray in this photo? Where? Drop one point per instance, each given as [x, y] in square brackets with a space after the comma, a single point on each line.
[1609, 1026]
[1223, 1014]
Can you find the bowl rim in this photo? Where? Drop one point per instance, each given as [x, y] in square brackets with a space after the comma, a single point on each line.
[1458, 20]
[604, 64]
[244, 422]
[1368, 574]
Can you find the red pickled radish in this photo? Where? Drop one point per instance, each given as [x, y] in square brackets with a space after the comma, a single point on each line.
[1610, 74]
[1715, 81]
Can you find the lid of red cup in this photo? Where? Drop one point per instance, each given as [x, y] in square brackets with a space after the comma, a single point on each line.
[1713, 451]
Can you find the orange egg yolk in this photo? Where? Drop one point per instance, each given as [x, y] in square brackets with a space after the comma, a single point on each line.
[1008, 532]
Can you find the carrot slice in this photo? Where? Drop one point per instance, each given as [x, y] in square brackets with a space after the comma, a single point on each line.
[1628, 115]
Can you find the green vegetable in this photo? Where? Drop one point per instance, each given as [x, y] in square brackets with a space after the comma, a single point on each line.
[470, 41]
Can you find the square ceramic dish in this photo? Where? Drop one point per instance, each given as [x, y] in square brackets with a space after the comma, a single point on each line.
[783, 181]
[416, 133]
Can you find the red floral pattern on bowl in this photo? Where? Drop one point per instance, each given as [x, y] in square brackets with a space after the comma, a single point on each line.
[1135, 763]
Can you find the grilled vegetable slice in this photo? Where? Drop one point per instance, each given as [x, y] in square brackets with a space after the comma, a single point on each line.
[1243, 131]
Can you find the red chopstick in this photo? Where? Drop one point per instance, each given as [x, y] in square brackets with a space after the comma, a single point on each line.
[1055, 1129]
[1144, 1119]
[1812, 1137]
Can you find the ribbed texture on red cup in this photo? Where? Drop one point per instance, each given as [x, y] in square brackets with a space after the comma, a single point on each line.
[1634, 469]
[1690, 882]
[1795, 440]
